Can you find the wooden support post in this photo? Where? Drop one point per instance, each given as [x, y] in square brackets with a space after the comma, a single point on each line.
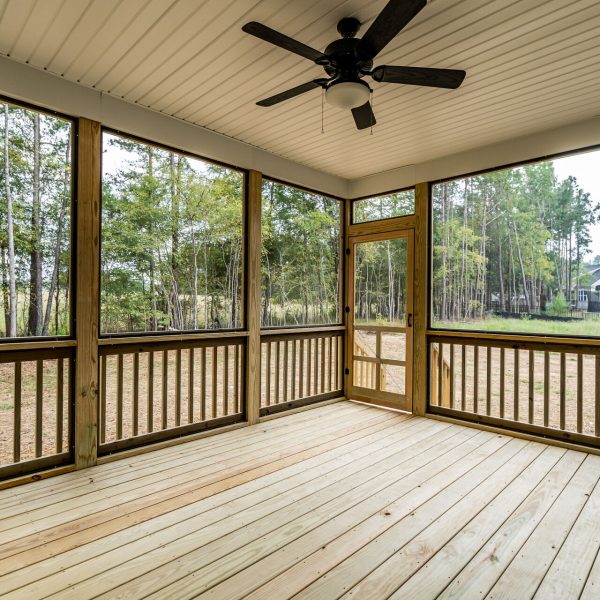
[420, 379]
[253, 244]
[87, 294]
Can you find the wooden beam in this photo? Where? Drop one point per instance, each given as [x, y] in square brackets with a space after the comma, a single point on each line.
[87, 293]
[420, 383]
[253, 245]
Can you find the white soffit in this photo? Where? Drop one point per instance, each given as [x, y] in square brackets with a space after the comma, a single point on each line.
[531, 65]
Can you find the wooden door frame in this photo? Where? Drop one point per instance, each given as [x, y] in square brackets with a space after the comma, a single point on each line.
[377, 397]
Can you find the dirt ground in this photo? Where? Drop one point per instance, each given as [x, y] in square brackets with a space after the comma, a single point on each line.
[522, 384]
[210, 408]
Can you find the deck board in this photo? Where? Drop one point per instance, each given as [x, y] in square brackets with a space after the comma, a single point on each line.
[343, 500]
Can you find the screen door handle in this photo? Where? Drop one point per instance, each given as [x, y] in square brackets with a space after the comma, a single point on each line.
[409, 320]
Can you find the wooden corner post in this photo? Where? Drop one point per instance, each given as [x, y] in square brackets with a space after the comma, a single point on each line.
[87, 293]
[253, 294]
[421, 307]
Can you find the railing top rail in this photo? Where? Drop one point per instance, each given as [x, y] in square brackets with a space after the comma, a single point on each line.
[36, 345]
[382, 328]
[301, 330]
[134, 345]
[544, 344]
[301, 334]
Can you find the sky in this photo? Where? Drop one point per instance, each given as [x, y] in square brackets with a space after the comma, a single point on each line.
[586, 169]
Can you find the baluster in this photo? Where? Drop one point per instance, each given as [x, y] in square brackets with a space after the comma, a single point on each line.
[451, 375]
[268, 375]
[440, 374]
[546, 388]
[39, 407]
[203, 384]
[150, 399]
[59, 404]
[285, 371]
[531, 385]
[293, 396]
[562, 390]
[277, 358]
[226, 380]
[579, 393]
[463, 381]
[17, 413]
[301, 371]
[516, 384]
[475, 379]
[177, 388]
[488, 381]
[190, 394]
[136, 393]
[214, 381]
[502, 381]
[119, 396]
[102, 416]
[165, 388]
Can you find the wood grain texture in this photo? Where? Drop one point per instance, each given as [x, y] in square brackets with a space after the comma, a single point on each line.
[360, 503]
[252, 306]
[87, 293]
[421, 293]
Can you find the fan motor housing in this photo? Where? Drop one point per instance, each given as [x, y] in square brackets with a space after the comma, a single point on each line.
[344, 59]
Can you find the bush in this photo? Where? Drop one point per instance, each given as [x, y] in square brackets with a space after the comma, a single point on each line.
[558, 307]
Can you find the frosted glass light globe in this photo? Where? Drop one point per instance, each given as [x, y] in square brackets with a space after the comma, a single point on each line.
[347, 94]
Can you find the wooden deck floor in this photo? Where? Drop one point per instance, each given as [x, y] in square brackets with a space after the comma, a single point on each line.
[340, 501]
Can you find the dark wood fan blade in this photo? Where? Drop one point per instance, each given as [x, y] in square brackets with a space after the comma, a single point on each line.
[389, 23]
[440, 78]
[283, 41]
[363, 116]
[299, 89]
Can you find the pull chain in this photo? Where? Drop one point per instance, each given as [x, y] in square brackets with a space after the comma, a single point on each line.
[322, 110]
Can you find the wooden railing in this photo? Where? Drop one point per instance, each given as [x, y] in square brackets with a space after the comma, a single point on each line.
[441, 376]
[35, 409]
[300, 367]
[549, 389]
[153, 390]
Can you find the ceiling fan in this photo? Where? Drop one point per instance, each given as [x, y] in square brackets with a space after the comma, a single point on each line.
[347, 60]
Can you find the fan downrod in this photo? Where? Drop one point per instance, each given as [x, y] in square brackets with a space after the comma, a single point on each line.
[348, 27]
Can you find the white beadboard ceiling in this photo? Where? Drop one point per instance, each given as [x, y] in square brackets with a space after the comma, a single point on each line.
[531, 65]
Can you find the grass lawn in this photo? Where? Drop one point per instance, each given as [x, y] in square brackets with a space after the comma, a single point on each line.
[579, 327]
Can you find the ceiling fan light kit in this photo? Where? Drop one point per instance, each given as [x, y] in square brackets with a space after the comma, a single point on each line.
[347, 60]
[347, 94]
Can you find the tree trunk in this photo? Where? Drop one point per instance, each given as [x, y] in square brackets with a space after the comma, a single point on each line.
[35, 271]
[11, 328]
[57, 249]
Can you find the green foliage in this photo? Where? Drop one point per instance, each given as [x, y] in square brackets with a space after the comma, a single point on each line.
[301, 242]
[172, 242]
[509, 241]
[384, 207]
[36, 182]
[558, 307]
